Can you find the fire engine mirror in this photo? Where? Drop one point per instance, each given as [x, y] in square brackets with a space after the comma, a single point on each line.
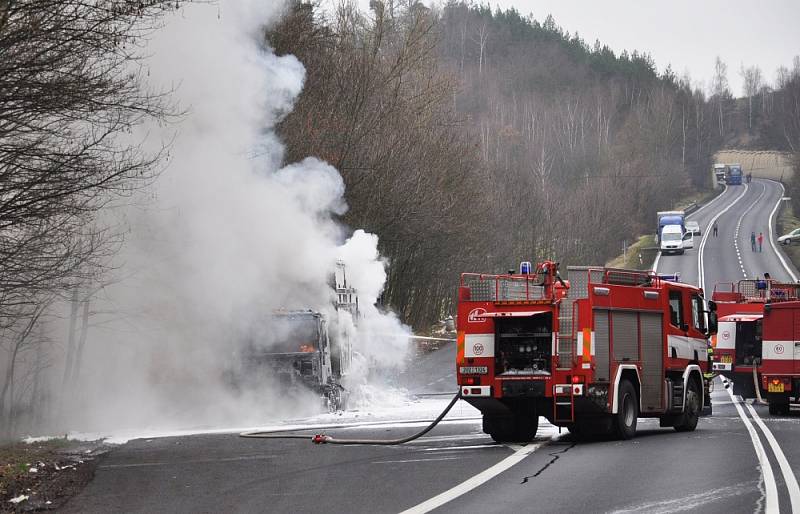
[712, 323]
[712, 306]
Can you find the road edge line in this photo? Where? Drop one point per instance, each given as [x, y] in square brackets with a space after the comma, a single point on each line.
[767, 476]
[658, 256]
[701, 278]
[476, 481]
[786, 469]
[778, 252]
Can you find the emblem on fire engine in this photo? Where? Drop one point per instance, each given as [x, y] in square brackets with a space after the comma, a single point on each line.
[726, 335]
[779, 349]
[477, 349]
[474, 314]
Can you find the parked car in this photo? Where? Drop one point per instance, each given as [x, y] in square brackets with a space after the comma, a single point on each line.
[693, 228]
[791, 237]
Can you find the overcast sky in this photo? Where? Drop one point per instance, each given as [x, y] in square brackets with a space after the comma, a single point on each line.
[688, 34]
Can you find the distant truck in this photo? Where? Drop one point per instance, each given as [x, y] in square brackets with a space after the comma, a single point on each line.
[670, 218]
[734, 175]
[720, 172]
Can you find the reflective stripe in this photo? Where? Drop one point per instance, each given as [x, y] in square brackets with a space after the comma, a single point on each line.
[460, 347]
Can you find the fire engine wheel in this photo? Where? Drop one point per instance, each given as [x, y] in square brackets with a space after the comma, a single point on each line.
[511, 429]
[625, 419]
[779, 407]
[691, 412]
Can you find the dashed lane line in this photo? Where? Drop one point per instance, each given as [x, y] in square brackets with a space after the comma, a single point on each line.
[739, 226]
[701, 279]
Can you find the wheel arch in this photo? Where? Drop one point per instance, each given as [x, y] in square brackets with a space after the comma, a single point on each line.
[631, 373]
[693, 372]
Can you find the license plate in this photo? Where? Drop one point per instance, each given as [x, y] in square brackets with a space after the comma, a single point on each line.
[473, 370]
[775, 388]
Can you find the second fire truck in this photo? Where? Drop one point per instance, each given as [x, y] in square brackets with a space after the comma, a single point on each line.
[592, 353]
[738, 346]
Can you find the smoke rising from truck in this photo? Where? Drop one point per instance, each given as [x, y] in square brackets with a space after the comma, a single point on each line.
[223, 237]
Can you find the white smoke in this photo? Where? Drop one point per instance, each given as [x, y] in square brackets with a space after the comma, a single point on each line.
[223, 237]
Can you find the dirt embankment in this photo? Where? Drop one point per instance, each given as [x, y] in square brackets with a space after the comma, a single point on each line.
[762, 164]
[45, 475]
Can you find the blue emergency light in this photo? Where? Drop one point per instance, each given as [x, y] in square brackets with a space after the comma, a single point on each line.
[525, 268]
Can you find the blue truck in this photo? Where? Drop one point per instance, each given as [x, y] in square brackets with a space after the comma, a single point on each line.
[734, 175]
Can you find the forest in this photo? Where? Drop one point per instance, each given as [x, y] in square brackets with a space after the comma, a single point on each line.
[471, 139]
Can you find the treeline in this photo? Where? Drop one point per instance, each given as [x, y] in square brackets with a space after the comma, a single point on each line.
[67, 97]
[471, 139]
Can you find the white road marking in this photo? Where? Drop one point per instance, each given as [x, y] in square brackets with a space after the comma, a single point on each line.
[786, 469]
[458, 448]
[701, 279]
[739, 226]
[772, 237]
[471, 483]
[691, 502]
[767, 476]
[413, 460]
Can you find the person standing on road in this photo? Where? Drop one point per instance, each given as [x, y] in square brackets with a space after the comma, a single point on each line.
[760, 240]
[714, 229]
[753, 241]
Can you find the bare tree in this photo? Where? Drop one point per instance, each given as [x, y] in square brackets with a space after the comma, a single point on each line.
[751, 87]
[71, 90]
[720, 91]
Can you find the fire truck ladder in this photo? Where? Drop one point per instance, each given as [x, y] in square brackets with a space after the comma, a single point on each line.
[563, 402]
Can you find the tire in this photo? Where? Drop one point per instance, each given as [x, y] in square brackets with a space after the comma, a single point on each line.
[687, 421]
[517, 428]
[624, 422]
[779, 405]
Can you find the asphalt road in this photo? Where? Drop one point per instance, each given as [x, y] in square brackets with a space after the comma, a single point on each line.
[741, 459]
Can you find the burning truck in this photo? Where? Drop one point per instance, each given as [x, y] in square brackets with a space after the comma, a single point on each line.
[300, 351]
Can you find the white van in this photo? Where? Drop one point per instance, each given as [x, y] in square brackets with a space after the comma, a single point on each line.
[674, 240]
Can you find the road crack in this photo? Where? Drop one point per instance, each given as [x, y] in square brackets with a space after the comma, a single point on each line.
[555, 456]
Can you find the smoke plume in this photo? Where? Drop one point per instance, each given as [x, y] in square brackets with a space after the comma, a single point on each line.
[223, 237]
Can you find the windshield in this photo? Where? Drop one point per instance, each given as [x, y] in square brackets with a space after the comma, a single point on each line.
[671, 236]
[287, 334]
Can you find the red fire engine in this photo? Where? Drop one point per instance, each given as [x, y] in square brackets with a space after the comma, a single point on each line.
[740, 307]
[780, 358]
[592, 353]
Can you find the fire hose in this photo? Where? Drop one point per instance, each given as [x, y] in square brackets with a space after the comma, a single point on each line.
[326, 439]
[757, 386]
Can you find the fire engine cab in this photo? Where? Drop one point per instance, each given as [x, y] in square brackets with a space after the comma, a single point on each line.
[591, 353]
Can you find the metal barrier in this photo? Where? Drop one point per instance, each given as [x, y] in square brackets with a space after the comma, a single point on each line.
[499, 288]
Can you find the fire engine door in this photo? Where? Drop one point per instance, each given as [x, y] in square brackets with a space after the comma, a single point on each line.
[652, 360]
